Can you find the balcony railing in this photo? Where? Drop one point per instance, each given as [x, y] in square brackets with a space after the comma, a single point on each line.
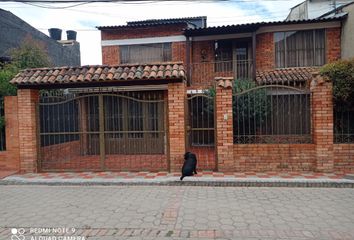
[205, 72]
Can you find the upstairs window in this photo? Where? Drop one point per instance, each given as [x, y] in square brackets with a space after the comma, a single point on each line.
[146, 53]
[300, 48]
[223, 56]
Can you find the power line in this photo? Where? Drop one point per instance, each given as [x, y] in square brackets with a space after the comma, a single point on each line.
[133, 1]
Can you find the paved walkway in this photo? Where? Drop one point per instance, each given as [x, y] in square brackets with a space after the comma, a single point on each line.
[177, 212]
[205, 178]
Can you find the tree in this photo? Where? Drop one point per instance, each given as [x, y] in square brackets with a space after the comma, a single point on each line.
[29, 55]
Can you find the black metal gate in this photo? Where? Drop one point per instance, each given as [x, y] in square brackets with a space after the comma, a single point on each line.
[200, 130]
[100, 129]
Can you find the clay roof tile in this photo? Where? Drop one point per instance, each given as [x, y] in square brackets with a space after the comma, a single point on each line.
[100, 73]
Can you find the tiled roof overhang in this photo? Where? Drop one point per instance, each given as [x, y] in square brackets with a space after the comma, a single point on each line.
[251, 27]
[285, 76]
[101, 75]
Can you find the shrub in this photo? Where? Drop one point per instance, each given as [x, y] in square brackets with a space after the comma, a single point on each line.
[341, 73]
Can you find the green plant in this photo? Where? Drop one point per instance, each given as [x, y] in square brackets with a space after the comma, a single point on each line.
[253, 104]
[29, 55]
[341, 73]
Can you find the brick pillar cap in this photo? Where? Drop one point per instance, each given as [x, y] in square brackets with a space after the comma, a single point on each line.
[318, 79]
[224, 82]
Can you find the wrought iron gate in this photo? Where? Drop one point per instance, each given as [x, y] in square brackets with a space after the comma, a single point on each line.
[99, 130]
[200, 130]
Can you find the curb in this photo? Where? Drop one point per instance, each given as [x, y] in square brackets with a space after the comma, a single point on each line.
[294, 184]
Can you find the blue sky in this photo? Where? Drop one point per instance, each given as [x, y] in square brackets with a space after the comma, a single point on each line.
[84, 18]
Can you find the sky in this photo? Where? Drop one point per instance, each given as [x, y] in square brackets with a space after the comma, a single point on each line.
[84, 18]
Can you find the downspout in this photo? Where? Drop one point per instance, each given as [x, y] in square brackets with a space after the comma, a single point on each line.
[188, 61]
[254, 46]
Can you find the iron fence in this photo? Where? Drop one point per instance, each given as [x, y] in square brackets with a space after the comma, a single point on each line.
[205, 72]
[271, 114]
[343, 124]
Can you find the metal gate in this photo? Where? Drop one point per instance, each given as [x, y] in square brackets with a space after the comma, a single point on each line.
[101, 130]
[200, 130]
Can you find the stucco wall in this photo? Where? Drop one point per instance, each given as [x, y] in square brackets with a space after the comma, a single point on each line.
[348, 33]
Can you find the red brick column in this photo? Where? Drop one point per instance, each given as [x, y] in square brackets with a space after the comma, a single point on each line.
[10, 159]
[28, 139]
[176, 124]
[224, 125]
[322, 122]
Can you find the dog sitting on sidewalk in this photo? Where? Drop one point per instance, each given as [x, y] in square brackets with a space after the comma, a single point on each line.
[189, 166]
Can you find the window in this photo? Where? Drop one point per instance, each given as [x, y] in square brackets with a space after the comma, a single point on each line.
[300, 48]
[145, 53]
[223, 56]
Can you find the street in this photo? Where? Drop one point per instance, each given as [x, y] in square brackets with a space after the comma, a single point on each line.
[170, 212]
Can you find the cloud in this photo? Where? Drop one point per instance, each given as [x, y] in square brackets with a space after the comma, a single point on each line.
[84, 18]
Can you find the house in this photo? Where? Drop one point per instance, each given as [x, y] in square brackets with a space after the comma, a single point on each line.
[60, 52]
[314, 9]
[311, 9]
[243, 97]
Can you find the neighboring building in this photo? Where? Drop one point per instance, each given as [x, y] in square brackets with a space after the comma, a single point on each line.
[316, 9]
[15, 31]
[166, 87]
[310, 9]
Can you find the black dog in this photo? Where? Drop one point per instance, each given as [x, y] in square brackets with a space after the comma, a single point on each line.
[190, 165]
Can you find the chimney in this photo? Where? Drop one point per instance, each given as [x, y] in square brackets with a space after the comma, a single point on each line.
[71, 35]
[55, 33]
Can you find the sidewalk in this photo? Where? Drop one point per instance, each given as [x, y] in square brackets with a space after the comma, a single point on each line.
[203, 178]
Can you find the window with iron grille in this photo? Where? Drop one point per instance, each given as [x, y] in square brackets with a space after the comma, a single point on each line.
[145, 53]
[300, 48]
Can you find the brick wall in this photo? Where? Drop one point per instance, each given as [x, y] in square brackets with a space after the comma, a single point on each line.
[10, 159]
[344, 157]
[27, 112]
[224, 126]
[322, 122]
[333, 40]
[143, 32]
[110, 55]
[176, 124]
[179, 52]
[265, 57]
[274, 157]
[203, 65]
[68, 156]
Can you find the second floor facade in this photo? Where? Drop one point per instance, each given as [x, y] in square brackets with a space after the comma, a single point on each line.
[239, 51]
